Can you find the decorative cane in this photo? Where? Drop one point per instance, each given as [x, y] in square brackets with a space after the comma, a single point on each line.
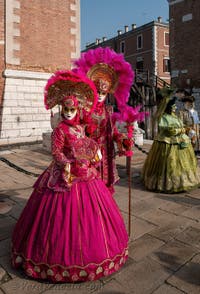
[129, 154]
[129, 115]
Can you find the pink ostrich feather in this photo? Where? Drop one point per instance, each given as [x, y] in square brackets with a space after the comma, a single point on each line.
[67, 75]
[122, 68]
[129, 114]
[125, 74]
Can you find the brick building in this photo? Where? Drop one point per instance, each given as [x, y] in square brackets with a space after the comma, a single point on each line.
[36, 38]
[184, 16]
[145, 47]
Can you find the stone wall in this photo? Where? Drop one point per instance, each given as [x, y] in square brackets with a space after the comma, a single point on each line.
[23, 115]
[2, 46]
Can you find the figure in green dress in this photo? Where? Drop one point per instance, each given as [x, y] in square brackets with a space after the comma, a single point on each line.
[171, 165]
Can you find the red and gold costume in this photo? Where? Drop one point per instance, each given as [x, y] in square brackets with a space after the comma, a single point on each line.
[112, 75]
[71, 229]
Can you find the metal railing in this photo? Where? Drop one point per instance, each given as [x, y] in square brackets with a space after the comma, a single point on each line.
[148, 78]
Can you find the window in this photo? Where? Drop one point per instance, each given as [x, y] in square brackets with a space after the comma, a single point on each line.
[166, 64]
[122, 47]
[187, 17]
[139, 42]
[166, 38]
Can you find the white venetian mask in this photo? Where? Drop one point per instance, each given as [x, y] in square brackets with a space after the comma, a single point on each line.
[102, 96]
[69, 112]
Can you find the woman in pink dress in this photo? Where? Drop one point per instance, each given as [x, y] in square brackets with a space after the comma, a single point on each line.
[71, 228]
[111, 74]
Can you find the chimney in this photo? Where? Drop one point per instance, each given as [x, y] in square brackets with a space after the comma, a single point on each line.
[119, 32]
[126, 29]
[98, 41]
[134, 26]
[104, 39]
[159, 19]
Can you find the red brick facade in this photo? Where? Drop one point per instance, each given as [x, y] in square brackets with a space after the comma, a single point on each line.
[185, 43]
[36, 38]
[45, 35]
[152, 52]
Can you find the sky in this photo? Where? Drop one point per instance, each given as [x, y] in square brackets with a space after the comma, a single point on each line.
[103, 18]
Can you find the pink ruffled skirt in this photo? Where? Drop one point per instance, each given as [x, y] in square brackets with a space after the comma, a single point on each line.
[71, 236]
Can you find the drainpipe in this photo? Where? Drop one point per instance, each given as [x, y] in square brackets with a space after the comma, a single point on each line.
[154, 53]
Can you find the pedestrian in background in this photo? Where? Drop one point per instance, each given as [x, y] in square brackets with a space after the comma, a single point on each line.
[190, 118]
[171, 165]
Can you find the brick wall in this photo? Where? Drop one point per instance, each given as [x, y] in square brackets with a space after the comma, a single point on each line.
[44, 34]
[162, 52]
[145, 53]
[41, 37]
[152, 52]
[185, 43]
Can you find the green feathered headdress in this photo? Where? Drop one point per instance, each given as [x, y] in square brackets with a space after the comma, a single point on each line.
[164, 95]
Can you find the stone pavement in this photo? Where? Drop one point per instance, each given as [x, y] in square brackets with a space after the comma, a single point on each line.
[164, 250]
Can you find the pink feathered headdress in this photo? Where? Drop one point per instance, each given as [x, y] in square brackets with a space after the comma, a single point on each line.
[66, 83]
[106, 64]
[70, 101]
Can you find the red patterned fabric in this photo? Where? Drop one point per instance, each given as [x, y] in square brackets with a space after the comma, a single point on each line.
[105, 134]
[70, 231]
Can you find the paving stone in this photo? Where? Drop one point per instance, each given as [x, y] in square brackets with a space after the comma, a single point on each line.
[195, 225]
[6, 227]
[120, 199]
[5, 262]
[14, 184]
[139, 227]
[190, 236]
[144, 206]
[167, 289]
[143, 246]
[24, 286]
[194, 193]
[144, 277]
[2, 273]
[28, 161]
[17, 210]
[113, 287]
[141, 193]
[193, 213]
[181, 198]
[173, 254]
[20, 196]
[174, 207]
[162, 218]
[170, 231]
[5, 247]
[187, 278]
[5, 207]
[79, 288]
[22, 180]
